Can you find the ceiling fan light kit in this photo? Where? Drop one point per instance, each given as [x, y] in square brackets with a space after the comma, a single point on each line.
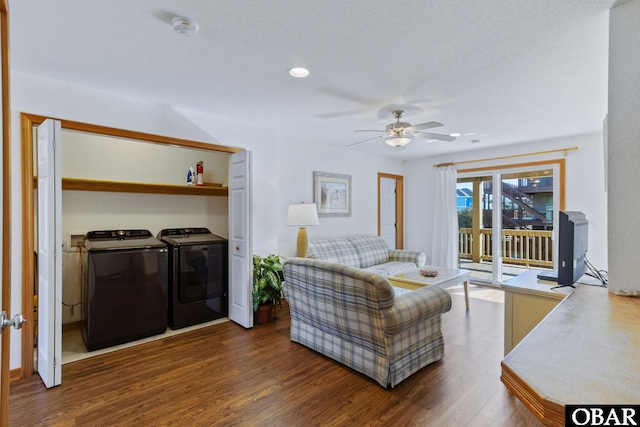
[399, 134]
[398, 141]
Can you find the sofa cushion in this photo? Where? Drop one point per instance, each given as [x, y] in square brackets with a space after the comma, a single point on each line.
[340, 251]
[372, 250]
[390, 268]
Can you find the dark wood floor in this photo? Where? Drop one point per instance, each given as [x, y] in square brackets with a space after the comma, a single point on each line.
[226, 375]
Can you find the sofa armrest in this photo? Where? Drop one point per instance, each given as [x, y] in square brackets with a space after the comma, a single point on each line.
[418, 258]
[414, 307]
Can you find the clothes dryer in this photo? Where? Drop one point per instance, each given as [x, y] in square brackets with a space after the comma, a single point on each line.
[198, 279]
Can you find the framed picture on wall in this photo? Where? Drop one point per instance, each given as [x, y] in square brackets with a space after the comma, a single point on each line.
[332, 194]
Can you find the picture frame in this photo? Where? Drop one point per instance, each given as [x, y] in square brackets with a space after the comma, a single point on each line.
[332, 194]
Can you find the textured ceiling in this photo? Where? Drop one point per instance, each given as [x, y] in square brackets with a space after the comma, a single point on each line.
[507, 71]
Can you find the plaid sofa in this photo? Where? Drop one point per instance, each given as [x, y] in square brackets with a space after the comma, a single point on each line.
[353, 316]
[367, 252]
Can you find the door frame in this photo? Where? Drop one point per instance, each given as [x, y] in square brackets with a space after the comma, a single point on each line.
[27, 121]
[5, 301]
[399, 206]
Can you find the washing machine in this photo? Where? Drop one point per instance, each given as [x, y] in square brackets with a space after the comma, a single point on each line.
[124, 291]
[198, 279]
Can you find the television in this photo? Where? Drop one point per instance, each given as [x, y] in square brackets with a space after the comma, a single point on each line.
[573, 238]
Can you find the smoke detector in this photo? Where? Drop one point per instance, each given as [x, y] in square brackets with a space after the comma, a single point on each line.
[185, 26]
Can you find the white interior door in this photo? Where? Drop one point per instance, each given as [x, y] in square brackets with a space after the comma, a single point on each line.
[388, 211]
[49, 253]
[240, 248]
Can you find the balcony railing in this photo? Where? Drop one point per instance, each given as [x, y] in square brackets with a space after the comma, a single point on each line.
[521, 247]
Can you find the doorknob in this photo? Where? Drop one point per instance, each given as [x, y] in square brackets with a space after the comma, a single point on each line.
[17, 321]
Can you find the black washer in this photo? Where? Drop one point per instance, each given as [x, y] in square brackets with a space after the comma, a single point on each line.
[124, 291]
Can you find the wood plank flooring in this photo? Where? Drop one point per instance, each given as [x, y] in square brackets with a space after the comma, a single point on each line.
[226, 375]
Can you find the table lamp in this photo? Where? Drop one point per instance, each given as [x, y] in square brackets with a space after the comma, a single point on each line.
[302, 215]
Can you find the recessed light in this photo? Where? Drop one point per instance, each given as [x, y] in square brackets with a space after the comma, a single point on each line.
[475, 141]
[455, 135]
[298, 72]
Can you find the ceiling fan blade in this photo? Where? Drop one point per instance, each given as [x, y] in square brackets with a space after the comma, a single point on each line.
[363, 130]
[426, 125]
[366, 140]
[435, 136]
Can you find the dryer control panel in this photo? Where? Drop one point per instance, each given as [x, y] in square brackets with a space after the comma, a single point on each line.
[184, 231]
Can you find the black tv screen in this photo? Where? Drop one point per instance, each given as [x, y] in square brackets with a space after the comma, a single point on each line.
[573, 238]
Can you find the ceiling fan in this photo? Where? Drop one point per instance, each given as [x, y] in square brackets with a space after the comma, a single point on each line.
[399, 134]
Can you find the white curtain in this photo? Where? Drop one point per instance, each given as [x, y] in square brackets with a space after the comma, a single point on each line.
[444, 246]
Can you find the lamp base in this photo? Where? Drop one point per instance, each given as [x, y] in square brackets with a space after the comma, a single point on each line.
[303, 242]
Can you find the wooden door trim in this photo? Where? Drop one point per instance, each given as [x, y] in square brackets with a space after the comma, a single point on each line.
[399, 206]
[6, 209]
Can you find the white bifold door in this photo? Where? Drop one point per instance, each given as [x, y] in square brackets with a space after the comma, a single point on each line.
[49, 253]
[240, 248]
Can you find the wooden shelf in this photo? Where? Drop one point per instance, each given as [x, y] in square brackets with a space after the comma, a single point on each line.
[79, 184]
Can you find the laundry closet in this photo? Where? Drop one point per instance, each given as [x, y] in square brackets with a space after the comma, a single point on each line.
[123, 188]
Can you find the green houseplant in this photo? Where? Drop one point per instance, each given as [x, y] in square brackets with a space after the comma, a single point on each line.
[267, 284]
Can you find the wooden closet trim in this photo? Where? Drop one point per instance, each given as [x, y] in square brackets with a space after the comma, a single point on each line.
[27, 121]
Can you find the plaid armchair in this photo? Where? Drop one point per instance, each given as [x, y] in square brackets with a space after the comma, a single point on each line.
[354, 317]
[367, 252]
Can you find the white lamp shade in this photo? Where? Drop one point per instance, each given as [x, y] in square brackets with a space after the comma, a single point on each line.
[302, 214]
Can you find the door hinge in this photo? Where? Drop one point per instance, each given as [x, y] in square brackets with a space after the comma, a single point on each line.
[55, 145]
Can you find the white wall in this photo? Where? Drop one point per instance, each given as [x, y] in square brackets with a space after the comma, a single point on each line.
[584, 187]
[299, 161]
[624, 146]
[93, 156]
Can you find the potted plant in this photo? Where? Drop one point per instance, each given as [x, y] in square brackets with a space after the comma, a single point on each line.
[267, 286]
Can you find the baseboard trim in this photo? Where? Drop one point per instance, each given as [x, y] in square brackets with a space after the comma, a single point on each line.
[15, 375]
[71, 326]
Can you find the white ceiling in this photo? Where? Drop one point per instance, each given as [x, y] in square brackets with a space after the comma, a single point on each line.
[507, 71]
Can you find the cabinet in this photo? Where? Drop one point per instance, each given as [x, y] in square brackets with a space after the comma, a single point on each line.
[527, 301]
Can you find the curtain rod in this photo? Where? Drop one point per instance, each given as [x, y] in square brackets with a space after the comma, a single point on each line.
[559, 150]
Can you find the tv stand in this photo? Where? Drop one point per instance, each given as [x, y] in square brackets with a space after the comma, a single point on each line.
[551, 276]
[562, 286]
